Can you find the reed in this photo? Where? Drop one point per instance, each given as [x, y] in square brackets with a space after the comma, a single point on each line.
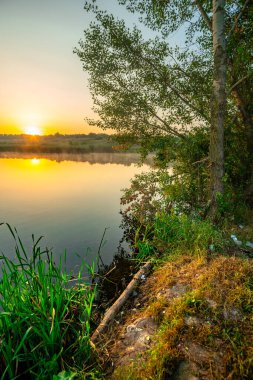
[44, 322]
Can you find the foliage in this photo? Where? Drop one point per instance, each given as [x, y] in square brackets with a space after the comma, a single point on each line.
[44, 322]
[142, 87]
[158, 95]
[157, 219]
[182, 233]
[173, 234]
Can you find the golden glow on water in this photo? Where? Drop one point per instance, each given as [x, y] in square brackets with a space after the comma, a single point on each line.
[43, 180]
[70, 203]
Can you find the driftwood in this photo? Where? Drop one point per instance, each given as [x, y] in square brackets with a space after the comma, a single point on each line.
[113, 310]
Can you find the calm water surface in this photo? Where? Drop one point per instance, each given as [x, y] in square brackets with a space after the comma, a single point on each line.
[69, 199]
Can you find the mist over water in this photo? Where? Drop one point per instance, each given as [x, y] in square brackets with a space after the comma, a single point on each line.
[69, 202]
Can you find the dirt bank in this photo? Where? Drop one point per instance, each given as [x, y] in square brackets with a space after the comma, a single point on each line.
[190, 319]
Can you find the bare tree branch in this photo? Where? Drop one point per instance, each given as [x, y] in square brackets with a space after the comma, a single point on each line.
[204, 15]
[237, 18]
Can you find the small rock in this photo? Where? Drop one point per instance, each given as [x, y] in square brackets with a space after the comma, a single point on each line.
[147, 323]
[176, 291]
[132, 328]
[200, 354]
[211, 303]
[192, 321]
[232, 314]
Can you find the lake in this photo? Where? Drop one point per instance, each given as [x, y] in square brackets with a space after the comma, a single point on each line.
[68, 198]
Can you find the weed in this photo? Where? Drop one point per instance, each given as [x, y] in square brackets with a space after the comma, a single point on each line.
[44, 323]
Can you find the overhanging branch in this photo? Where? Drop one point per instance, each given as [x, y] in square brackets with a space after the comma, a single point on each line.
[204, 15]
[237, 18]
[238, 82]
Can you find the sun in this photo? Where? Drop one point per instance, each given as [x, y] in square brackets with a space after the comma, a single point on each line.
[35, 161]
[33, 130]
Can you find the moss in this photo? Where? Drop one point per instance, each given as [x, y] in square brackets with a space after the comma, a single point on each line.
[208, 326]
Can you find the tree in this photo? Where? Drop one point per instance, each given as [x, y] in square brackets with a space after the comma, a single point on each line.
[218, 106]
[145, 88]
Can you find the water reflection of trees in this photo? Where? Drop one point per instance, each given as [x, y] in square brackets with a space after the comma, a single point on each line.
[93, 158]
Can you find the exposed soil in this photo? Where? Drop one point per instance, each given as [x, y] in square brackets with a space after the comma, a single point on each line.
[191, 319]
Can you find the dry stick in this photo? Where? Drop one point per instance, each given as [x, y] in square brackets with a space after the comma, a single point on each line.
[110, 314]
[99, 249]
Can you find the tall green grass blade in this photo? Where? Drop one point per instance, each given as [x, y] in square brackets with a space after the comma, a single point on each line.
[44, 323]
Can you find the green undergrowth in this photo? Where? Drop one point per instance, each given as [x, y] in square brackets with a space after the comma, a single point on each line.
[44, 321]
[171, 234]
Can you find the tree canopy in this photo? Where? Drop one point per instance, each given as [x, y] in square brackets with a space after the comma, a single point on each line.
[151, 92]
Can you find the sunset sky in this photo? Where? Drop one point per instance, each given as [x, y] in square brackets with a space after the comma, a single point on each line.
[42, 86]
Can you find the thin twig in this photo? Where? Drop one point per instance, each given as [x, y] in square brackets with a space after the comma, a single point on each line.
[238, 82]
[100, 246]
[237, 18]
[200, 161]
[110, 271]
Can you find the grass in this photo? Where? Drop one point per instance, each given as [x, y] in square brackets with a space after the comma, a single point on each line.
[171, 235]
[44, 322]
[207, 328]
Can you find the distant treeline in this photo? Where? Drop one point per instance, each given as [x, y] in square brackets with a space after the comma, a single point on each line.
[58, 143]
[56, 135]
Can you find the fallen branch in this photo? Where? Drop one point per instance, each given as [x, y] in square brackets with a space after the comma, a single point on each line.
[113, 310]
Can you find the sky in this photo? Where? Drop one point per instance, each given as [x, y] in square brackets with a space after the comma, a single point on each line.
[42, 85]
[43, 88]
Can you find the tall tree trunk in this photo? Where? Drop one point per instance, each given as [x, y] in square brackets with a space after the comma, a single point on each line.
[218, 107]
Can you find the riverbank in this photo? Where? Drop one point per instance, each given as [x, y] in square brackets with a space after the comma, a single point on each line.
[190, 319]
[58, 143]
